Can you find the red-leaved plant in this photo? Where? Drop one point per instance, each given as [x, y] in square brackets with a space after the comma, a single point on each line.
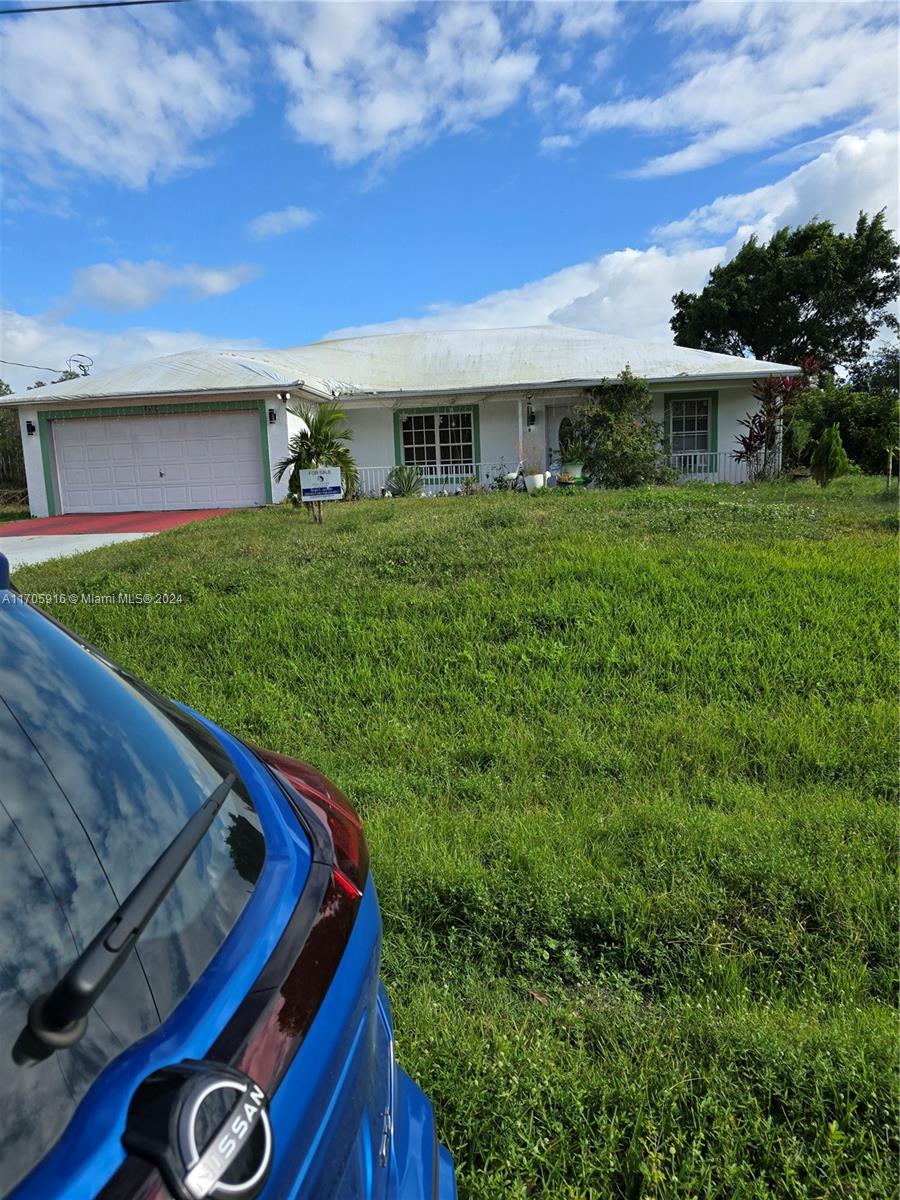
[760, 446]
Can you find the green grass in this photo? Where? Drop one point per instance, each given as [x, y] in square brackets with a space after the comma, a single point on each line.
[13, 513]
[628, 767]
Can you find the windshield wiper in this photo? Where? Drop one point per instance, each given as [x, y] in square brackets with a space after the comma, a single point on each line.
[59, 1018]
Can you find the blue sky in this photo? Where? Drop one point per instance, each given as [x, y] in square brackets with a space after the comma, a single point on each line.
[273, 173]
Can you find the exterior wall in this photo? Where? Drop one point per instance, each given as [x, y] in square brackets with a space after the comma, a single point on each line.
[40, 473]
[374, 443]
[34, 466]
[279, 432]
[375, 450]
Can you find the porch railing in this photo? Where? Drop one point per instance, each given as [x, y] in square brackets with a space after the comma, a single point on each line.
[697, 466]
[435, 480]
[703, 466]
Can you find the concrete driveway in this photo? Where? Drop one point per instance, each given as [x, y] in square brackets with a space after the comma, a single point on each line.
[43, 538]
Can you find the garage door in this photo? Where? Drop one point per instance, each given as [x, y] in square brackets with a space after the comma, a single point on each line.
[178, 460]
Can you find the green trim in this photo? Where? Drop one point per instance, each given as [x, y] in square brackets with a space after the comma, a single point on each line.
[137, 410]
[131, 410]
[264, 447]
[713, 440]
[44, 439]
[474, 409]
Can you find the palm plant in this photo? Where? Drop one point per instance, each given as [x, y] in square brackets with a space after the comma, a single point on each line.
[319, 444]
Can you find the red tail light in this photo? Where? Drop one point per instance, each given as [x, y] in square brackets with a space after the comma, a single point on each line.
[351, 854]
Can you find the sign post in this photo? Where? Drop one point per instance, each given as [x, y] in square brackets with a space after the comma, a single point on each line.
[318, 484]
[321, 483]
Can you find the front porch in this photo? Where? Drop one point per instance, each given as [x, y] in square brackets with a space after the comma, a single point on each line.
[693, 467]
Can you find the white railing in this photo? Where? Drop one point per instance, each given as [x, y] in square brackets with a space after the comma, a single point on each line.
[435, 480]
[697, 466]
[701, 466]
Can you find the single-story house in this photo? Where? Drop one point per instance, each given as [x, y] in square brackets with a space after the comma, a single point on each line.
[205, 428]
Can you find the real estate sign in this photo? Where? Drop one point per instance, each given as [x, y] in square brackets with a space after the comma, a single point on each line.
[322, 483]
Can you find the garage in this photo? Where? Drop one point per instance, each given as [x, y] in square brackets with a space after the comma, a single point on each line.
[129, 463]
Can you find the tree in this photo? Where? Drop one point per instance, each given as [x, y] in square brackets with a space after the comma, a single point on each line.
[829, 458]
[879, 373]
[12, 464]
[319, 444]
[807, 292]
[64, 377]
[621, 441]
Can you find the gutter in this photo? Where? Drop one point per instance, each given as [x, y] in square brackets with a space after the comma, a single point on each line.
[401, 394]
[35, 401]
[398, 394]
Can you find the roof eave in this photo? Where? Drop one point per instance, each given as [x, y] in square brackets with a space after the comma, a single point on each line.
[556, 384]
[36, 398]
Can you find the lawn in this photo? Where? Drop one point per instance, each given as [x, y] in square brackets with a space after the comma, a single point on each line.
[628, 767]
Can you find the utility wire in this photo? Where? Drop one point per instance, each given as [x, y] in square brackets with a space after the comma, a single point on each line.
[31, 366]
[10, 12]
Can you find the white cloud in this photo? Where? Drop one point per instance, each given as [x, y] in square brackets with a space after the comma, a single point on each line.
[125, 96]
[49, 343]
[361, 86]
[284, 220]
[753, 74]
[854, 173]
[629, 291]
[124, 284]
[557, 141]
[573, 19]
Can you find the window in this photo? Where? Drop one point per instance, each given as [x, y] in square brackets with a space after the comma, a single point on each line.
[438, 442]
[98, 777]
[690, 425]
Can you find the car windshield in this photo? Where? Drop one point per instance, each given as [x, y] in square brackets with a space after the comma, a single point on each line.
[98, 775]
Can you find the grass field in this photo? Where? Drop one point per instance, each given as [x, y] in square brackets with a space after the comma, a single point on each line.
[628, 766]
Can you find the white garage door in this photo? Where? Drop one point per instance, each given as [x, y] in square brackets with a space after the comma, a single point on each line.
[178, 460]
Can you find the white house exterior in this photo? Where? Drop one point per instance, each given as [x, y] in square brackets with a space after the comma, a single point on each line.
[204, 429]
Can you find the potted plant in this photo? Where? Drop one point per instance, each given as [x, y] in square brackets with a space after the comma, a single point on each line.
[535, 478]
[565, 479]
[572, 453]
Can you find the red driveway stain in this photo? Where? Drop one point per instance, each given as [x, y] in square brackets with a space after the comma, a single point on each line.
[130, 522]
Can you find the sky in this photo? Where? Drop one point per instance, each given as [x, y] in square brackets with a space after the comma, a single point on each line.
[244, 174]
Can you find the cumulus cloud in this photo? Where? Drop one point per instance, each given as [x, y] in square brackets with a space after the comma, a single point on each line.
[752, 75]
[361, 86]
[40, 340]
[629, 291]
[284, 220]
[127, 96]
[125, 285]
[856, 172]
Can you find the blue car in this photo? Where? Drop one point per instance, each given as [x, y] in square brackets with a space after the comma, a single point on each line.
[189, 951]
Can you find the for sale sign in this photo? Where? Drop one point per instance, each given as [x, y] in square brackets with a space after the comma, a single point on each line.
[322, 483]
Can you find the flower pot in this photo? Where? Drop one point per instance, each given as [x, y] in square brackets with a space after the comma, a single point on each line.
[534, 483]
[572, 468]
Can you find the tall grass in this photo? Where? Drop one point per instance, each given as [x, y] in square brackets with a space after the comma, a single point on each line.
[628, 767]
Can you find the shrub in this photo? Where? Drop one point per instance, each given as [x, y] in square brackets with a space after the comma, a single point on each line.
[622, 443]
[829, 458]
[404, 481]
[867, 422]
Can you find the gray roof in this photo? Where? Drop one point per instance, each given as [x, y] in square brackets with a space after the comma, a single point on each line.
[440, 361]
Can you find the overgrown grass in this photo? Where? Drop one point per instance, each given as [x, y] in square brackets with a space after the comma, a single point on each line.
[628, 767]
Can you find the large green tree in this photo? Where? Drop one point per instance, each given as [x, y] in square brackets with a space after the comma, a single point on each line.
[807, 293]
